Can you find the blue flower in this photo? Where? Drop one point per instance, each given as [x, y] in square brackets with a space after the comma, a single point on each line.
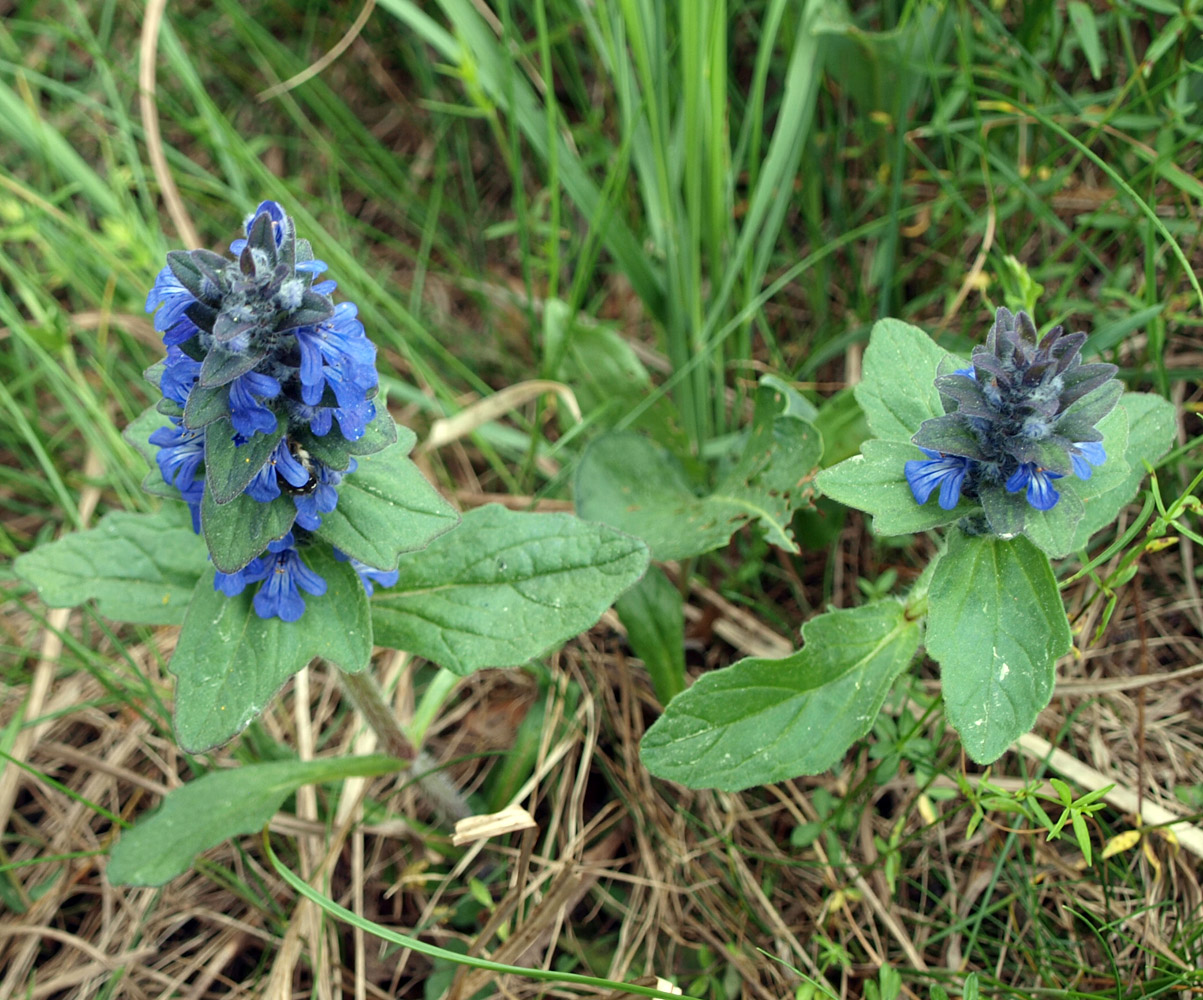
[180, 454]
[354, 418]
[282, 464]
[319, 418]
[279, 596]
[179, 376]
[281, 572]
[192, 496]
[1039, 482]
[233, 584]
[340, 349]
[302, 363]
[174, 298]
[1084, 454]
[946, 471]
[369, 576]
[247, 413]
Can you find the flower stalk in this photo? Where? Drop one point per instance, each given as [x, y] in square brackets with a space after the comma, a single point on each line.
[440, 793]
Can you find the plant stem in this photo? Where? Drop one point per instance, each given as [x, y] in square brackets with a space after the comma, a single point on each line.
[446, 799]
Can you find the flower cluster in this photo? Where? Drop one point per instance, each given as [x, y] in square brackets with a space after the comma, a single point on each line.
[1023, 416]
[267, 385]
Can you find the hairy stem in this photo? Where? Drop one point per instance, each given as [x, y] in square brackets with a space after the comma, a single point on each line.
[446, 799]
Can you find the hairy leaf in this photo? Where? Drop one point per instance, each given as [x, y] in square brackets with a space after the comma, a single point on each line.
[875, 482]
[504, 587]
[996, 625]
[220, 805]
[897, 390]
[137, 567]
[759, 720]
[230, 662]
[386, 507]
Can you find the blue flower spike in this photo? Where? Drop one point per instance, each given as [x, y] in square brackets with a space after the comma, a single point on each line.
[257, 339]
[1021, 416]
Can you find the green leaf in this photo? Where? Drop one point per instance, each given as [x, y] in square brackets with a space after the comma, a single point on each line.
[897, 389]
[206, 404]
[1152, 424]
[504, 587]
[220, 805]
[238, 531]
[230, 663]
[628, 482]
[1086, 29]
[875, 482]
[386, 507]
[996, 625]
[653, 614]
[760, 721]
[221, 367]
[153, 484]
[951, 435]
[229, 468]
[841, 424]
[382, 432]
[1085, 413]
[794, 403]
[600, 365]
[137, 567]
[1082, 835]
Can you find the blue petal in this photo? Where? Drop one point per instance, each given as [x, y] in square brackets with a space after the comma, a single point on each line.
[945, 471]
[179, 376]
[1041, 493]
[279, 596]
[950, 489]
[180, 453]
[248, 414]
[1039, 482]
[232, 584]
[369, 576]
[172, 296]
[1084, 454]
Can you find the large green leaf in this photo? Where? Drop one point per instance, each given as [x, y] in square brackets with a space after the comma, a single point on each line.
[759, 721]
[229, 662]
[137, 567]
[218, 806]
[386, 507]
[626, 481]
[897, 389]
[875, 481]
[996, 625]
[505, 587]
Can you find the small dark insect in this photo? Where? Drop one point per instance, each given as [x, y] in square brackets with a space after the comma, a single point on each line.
[306, 463]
